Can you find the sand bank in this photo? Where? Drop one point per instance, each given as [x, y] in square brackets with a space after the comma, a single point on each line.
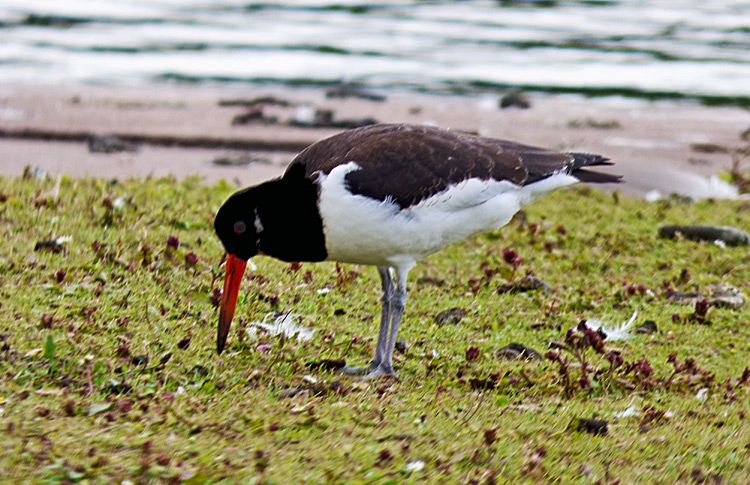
[184, 130]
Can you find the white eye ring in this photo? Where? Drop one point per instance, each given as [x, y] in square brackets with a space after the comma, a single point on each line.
[239, 227]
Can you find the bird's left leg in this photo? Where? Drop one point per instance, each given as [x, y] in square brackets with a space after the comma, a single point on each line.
[385, 300]
[396, 310]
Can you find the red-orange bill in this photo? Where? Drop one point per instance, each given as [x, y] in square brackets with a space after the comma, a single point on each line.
[235, 268]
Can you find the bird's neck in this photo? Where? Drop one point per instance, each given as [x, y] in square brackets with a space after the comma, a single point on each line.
[292, 229]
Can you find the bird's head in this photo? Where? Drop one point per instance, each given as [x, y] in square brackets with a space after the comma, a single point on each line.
[238, 225]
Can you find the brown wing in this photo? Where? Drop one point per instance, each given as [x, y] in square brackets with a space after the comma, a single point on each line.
[409, 163]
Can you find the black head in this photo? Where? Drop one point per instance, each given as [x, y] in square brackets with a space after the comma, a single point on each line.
[237, 224]
[278, 218]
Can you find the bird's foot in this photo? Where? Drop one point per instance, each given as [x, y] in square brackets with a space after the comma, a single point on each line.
[381, 370]
[370, 371]
[358, 371]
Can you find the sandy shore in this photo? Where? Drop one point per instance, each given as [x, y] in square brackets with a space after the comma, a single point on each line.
[184, 130]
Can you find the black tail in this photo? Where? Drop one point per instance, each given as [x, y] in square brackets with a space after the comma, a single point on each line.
[581, 160]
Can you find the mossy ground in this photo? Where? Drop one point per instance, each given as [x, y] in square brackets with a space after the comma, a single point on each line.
[110, 372]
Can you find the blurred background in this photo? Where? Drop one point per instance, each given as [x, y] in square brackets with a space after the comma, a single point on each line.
[637, 48]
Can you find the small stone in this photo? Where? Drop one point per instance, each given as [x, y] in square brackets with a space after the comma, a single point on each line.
[254, 115]
[450, 317]
[725, 296]
[597, 427]
[527, 283]
[682, 298]
[515, 351]
[729, 235]
[515, 99]
[327, 364]
[647, 327]
[346, 90]
[51, 245]
[111, 144]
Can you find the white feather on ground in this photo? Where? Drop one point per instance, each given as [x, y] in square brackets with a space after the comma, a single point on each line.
[615, 332]
[285, 324]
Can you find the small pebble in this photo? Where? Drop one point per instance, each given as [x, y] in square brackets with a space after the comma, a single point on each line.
[597, 427]
[648, 327]
[729, 235]
[515, 351]
[450, 317]
[515, 99]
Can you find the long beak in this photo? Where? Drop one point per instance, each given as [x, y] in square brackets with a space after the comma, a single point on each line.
[235, 268]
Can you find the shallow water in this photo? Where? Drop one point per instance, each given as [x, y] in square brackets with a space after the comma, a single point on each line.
[649, 48]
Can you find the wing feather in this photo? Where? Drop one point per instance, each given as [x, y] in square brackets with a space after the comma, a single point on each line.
[410, 163]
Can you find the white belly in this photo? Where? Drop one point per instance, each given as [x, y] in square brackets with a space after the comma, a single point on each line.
[362, 230]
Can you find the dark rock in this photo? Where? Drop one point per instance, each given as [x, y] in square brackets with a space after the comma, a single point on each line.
[250, 103]
[595, 124]
[324, 118]
[725, 296]
[346, 90]
[254, 115]
[327, 364]
[597, 427]
[51, 245]
[450, 317]
[710, 148]
[515, 99]
[515, 351]
[482, 384]
[681, 298]
[647, 327]
[527, 283]
[729, 235]
[111, 144]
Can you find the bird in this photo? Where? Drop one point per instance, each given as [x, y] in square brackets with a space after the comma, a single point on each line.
[387, 195]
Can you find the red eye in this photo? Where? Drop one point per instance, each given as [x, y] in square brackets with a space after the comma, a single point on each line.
[239, 227]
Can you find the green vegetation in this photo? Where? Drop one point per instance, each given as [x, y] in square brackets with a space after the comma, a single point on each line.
[110, 372]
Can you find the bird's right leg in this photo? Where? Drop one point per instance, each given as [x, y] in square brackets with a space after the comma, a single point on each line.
[388, 289]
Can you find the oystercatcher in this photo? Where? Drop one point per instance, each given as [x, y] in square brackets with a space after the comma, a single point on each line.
[387, 195]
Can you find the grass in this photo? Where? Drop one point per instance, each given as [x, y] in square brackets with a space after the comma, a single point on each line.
[110, 372]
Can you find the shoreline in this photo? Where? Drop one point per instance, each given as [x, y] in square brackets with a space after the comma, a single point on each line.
[184, 130]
